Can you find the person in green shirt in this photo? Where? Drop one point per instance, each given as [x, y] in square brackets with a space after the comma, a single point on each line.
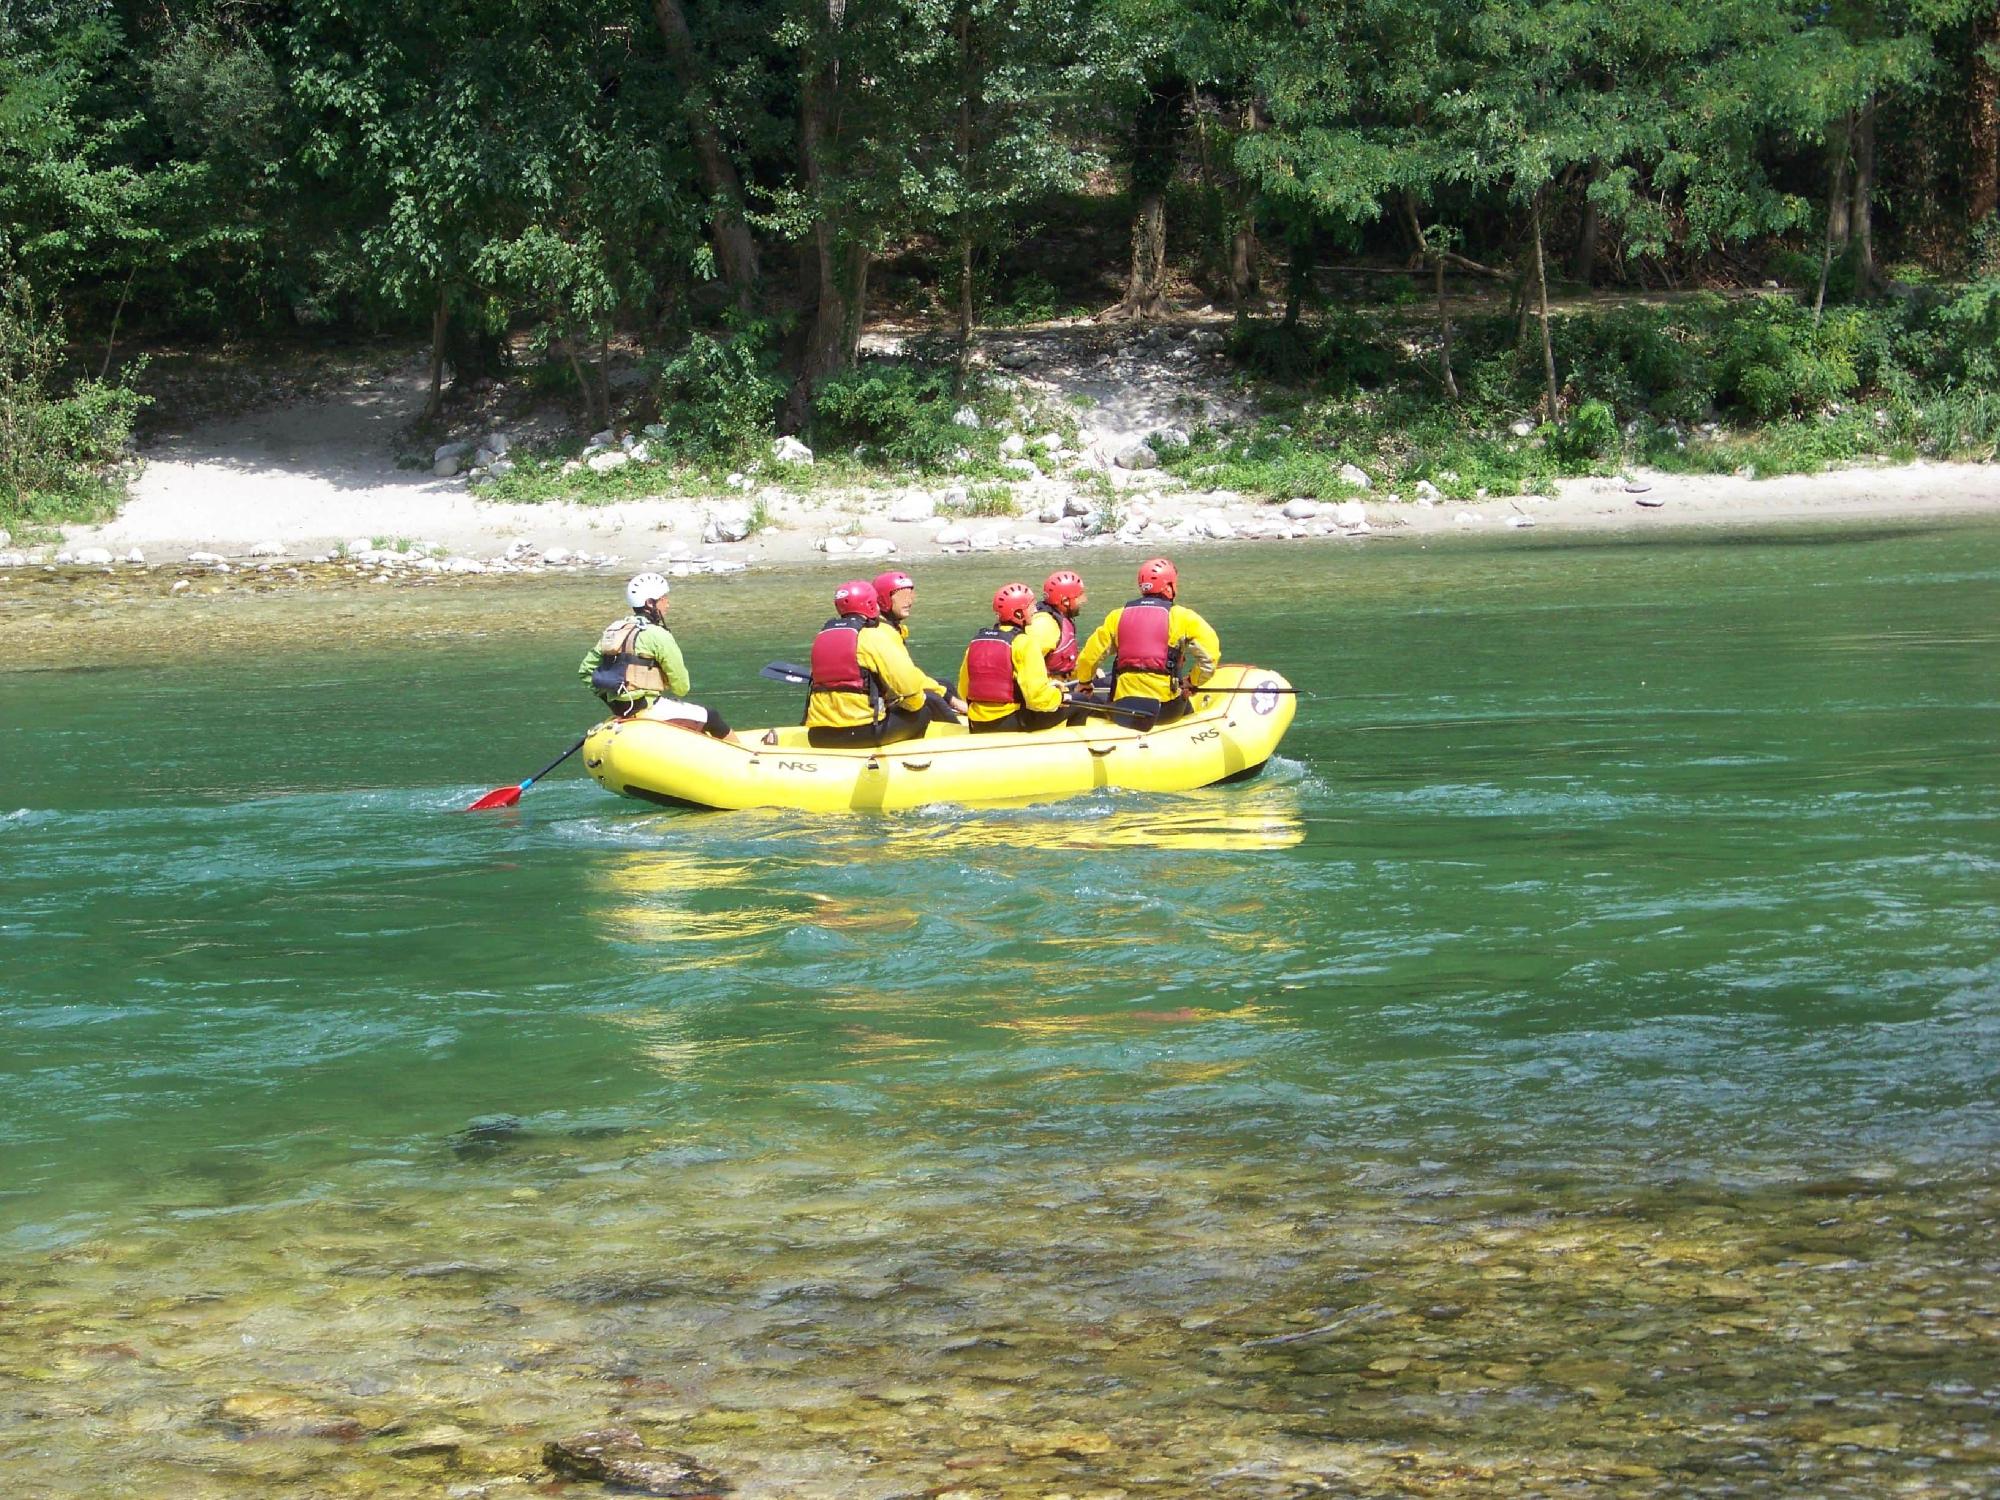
[637, 664]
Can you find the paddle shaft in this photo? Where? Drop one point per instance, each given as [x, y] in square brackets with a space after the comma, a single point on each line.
[553, 764]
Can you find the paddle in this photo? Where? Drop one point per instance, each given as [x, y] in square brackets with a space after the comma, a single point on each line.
[507, 796]
[784, 671]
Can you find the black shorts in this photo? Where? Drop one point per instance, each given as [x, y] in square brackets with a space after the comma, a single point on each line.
[1024, 721]
[900, 724]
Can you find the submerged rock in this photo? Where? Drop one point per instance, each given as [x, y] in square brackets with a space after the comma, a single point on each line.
[617, 1455]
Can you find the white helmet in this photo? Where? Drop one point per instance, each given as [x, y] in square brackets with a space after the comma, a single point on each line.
[644, 589]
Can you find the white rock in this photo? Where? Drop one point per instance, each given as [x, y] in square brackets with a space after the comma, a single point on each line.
[455, 450]
[138, 558]
[726, 523]
[1013, 445]
[1466, 518]
[447, 466]
[1049, 512]
[1024, 468]
[13, 559]
[986, 539]
[267, 549]
[1350, 513]
[965, 416]
[178, 586]
[1523, 428]
[1301, 509]
[603, 439]
[556, 557]
[459, 565]
[1215, 526]
[641, 453]
[1351, 474]
[1427, 492]
[789, 450]
[1517, 522]
[93, 557]
[1168, 437]
[516, 550]
[915, 506]
[205, 559]
[738, 482]
[605, 462]
[500, 468]
[952, 494]
[1050, 442]
[6, 536]
[1075, 505]
[628, 442]
[953, 534]
[498, 443]
[1136, 456]
[873, 546]
[834, 546]
[357, 545]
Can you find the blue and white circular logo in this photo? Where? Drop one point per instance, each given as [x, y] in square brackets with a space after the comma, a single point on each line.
[1265, 698]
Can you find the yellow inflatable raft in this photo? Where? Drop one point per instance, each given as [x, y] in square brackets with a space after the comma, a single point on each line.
[1225, 736]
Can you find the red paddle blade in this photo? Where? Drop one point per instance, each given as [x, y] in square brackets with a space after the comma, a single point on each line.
[507, 796]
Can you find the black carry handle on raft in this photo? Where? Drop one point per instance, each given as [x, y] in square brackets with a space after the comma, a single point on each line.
[507, 796]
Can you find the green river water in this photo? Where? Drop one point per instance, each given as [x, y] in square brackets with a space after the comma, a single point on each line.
[1571, 1069]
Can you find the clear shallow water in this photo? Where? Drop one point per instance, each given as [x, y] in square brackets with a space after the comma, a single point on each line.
[1589, 1024]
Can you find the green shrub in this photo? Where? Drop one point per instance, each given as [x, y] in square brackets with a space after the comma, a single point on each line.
[1643, 359]
[58, 447]
[719, 397]
[1589, 436]
[1774, 362]
[904, 411]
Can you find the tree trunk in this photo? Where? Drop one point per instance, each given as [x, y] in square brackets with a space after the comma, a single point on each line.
[1583, 265]
[1156, 139]
[839, 262]
[1299, 277]
[964, 315]
[440, 324]
[1542, 284]
[1867, 277]
[1435, 255]
[1983, 171]
[1837, 206]
[968, 94]
[1243, 240]
[735, 250]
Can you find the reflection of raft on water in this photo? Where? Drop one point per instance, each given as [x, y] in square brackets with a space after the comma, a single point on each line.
[1225, 736]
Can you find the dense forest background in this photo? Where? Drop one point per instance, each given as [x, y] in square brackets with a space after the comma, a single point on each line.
[1389, 194]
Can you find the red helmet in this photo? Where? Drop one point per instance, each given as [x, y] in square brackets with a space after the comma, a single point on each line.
[886, 584]
[857, 598]
[1157, 576]
[1014, 603]
[1064, 590]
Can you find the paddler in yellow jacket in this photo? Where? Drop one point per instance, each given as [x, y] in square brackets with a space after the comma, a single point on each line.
[637, 663]
[1003, 679]
[865, 689]
[1158, 648]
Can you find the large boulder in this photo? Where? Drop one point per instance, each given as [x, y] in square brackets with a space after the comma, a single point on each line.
[1136, 456]
[789, 450]
[915, 506]
[1356, 476]
[726, 523]
[1301, 509]
[605, 462]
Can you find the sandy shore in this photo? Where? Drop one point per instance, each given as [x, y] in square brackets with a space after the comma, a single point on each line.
[319, 477]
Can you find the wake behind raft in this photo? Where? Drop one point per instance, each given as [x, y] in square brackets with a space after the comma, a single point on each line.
[1230, 731]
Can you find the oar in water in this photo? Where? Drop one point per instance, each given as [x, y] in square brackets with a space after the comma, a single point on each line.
[784, 671]
[507, 796]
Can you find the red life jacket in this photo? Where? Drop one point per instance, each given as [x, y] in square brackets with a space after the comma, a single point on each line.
[836, 657]
[989, 666]
[1144, 629]
[1061, 662]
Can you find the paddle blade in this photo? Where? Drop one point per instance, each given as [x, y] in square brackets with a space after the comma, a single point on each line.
[784, 671]
[506, 796]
